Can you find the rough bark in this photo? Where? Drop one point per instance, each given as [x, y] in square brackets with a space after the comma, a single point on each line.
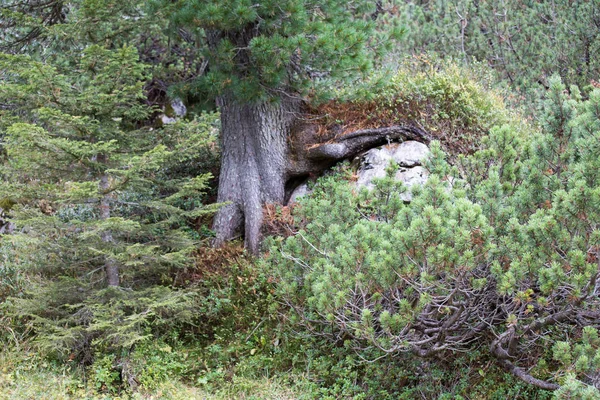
[253, 166]
[110, 265]
[526, 377]
[505, 345]
[353, 143]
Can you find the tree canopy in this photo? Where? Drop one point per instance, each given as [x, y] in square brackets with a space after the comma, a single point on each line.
[257, 51]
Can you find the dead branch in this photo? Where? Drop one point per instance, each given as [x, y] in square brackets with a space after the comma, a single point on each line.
[351, 144]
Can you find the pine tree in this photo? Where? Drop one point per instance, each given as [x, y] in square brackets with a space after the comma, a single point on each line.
[524, 41]
[493, 250]
[263, 60]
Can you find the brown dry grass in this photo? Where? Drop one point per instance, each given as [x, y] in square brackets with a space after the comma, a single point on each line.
[454, 105]
[278, 220]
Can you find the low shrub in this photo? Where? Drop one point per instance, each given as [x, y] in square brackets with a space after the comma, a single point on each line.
[490, 252]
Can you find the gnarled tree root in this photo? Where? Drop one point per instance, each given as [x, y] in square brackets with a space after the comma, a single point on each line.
[353, 143]
[319, 157]
[527, 378]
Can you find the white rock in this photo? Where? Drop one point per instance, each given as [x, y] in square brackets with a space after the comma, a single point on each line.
[410, 177]
[167, 120]
[367, 175]
[410, 153]
[179, 108]
[406, 154]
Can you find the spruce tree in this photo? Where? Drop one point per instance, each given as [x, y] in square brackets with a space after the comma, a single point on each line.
[101, 214]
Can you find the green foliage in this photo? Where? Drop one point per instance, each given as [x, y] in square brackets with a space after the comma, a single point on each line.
[255, 51]
[153, 364]
[497, 251]
[574, 389]
[56, 31]
[97, 188]
[526, 42]
[503, 242]
[104, 376]
[373, 242]
[456, 104]
[580, 361]
[12, 280]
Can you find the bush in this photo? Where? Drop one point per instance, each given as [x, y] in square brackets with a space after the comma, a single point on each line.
[524, 42]
[490, 251]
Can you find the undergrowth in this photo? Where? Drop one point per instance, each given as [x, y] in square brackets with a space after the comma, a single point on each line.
[243, 346]
[455, 104]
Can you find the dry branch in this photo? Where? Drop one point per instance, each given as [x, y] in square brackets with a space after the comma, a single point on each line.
[353, 143]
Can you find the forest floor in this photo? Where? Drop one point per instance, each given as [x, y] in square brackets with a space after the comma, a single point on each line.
[25, 376]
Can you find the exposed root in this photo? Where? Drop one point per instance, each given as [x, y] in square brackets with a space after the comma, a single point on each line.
[317, 157]
[525, 377]
[351, 144]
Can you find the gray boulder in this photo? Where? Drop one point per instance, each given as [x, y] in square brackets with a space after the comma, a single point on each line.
[177, 110]
[408, 155]
[410, 177]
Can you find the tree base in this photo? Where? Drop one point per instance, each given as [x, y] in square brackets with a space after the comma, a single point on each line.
[266, 153]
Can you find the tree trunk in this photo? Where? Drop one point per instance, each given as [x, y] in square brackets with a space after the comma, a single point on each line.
[253, 166]
[258, 158]
[110, 264]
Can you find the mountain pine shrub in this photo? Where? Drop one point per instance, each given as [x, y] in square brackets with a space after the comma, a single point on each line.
[455, 104]
[499, 250]
[523, 41]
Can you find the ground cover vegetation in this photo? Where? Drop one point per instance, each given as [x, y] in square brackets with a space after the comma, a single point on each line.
[485, 285]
